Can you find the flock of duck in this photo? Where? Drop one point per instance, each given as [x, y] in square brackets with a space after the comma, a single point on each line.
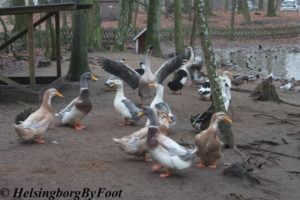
[151, 139]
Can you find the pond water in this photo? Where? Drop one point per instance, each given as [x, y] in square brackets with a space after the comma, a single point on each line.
[282, 62]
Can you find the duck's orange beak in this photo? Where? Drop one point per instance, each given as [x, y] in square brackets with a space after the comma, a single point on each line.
[219, 71]
[151, 85]
[227, 119]
[59, 94]
[230, 73]
[168, 118]
[141, 114]
[93, 78]
[112, 85]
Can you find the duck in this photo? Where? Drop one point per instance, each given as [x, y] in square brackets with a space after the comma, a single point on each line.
[168, 153]
[79, 107]
[135, 80]
[252, 78]
[159, 103]
[179, 79]
[225, 77]
[208, 143]
[238, 82]
[226, 94]
[125, 107]
[201, 121]
[286, 86]
[204, 91]
[194, 67]
[135, 143]
[39, 121]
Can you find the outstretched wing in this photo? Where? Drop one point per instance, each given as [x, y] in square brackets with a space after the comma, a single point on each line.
[121, 70]
[168, 67]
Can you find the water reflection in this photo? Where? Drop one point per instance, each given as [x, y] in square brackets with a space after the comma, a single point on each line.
[281, 63]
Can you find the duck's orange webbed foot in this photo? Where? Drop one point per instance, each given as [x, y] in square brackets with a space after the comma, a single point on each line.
[79, 127]
[214, 166]
[124, 123]
[157, 167]
[180, 92]
[166, 175]
[40, 141]
[147, 159]
[200, 164]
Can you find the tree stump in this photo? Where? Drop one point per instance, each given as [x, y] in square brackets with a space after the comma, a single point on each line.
[265, 91]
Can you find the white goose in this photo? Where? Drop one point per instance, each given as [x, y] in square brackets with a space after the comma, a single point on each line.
[135, 80]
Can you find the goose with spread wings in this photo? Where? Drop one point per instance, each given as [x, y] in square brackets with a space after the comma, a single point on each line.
[135, 80]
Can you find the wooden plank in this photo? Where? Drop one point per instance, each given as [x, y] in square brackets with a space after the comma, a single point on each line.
[25, 31]
[15, 84]
[37, 9]
[57, 29]
[31, 50]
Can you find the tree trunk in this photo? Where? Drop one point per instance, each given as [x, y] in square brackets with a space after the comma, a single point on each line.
[167, 4]
[94, 37]
[179, 44]
[195, 23]
[122, 27]
[79, 60]
[6, 36]
[153, 26]
[208, 8]
[240, 6]
[136, 12]
[130, 12]
[247, 19]
[233, 5]
[260, 4]
[211, 65]
[271, 8]
[265, 91]
[189, 10]
[226, 4]
[20, 20]
[65, 27]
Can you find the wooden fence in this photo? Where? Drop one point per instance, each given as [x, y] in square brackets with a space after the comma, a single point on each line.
[167, 34]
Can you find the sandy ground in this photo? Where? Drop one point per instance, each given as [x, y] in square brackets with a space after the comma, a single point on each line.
[89, 159]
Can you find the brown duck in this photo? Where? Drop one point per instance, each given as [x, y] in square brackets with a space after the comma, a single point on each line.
[38, 122]
[208, 143]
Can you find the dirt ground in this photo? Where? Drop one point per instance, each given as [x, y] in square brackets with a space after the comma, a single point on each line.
[73, 160]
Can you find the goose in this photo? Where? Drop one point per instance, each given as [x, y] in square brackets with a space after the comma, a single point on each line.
[225, 89]
[208, 143]
[225, 77]
[179, 79]
[135, 80]
[286, 86]
[79, 107]
[159, 103]
[195, 66]
[135, 143]
[163, 149]
[124, 106]
[38, 122]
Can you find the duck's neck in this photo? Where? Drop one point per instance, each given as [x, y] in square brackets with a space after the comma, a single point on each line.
[214, 124]
[84, 93]
[159, 94]
[147, 62]
[153, 119]
[83, 83]
[192, 58]
[120, 92]
[47, 101]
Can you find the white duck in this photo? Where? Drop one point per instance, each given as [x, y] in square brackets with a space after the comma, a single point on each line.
[135, 143]
[79, 107]
[124, 106]
[159, 103]
[38, 122]
[163, 149]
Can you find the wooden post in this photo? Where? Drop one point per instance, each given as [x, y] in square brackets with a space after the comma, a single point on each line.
[30, 50]
[58, 64]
